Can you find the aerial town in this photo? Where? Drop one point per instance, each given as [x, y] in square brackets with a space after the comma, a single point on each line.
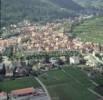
[31, 39]
[51, 50]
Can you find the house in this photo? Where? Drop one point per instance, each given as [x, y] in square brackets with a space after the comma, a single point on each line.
[9, 68]
[53, 60]
[93, 60]
[74, 60]
[3, 96]
[63, 58]
[2, 49]
[25, 94]
[1, 66]
[21, 71]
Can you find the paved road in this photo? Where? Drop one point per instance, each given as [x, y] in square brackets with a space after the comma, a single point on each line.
[39, 98]
[44, 87]
[43, 97]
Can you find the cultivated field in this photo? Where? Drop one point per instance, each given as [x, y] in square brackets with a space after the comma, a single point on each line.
[68, 84]
[8, 85]
[90, 30]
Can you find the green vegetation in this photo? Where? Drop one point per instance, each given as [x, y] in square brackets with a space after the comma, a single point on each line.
[68, 84]
[8, 85]
[14, 11]
[52, 54]
[90, 30]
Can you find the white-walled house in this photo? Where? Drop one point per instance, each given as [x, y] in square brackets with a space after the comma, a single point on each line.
[3, 96]
[8, 66]
[53, 60]
[74, 60]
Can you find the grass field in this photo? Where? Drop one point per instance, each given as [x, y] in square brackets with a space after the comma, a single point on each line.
[9, 85]
[68, 84]
[90, 30]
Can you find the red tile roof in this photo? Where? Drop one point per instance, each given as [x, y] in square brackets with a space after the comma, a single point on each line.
[22, 91]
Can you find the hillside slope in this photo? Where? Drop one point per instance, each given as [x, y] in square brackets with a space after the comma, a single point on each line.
[90, 3]
[67, 4]
[16, 10]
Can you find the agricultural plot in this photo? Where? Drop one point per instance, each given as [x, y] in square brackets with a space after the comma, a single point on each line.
[8, 85]
[68, 84]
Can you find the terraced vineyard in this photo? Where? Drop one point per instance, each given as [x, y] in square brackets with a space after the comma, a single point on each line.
[90, 30]
[90, 3]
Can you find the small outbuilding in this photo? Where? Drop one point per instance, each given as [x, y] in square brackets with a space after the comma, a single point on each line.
[74, 60]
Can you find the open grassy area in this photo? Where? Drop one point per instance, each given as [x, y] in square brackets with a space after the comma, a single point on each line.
[68, 84]
[90, 30]
[24, 82]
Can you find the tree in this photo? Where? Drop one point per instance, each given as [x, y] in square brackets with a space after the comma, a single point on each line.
[4, 70]
[9, 52]
[60, 62]
[0, 57]
[47, 58]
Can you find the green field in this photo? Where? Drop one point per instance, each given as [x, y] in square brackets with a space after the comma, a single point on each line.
[68, 84]
[90, 30]
[8, 85]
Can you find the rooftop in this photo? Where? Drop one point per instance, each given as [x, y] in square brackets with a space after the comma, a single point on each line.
[22, 91]
[3, 94]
